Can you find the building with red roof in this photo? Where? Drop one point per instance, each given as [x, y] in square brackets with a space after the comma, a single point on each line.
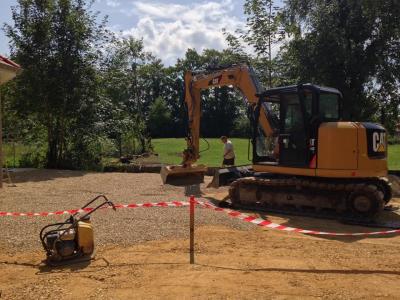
[8, 70]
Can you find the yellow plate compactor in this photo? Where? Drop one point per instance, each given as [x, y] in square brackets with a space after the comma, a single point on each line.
[72, 241]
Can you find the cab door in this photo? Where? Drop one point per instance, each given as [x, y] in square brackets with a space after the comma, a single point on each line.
[293, 151]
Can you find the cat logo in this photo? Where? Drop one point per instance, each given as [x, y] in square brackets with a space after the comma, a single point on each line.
[215, 80]
[378, 141]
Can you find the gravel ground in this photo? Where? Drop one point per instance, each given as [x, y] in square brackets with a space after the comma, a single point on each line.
[50, 190]
[268, 264]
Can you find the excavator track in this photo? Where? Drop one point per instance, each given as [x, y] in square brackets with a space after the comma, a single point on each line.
[347, 200]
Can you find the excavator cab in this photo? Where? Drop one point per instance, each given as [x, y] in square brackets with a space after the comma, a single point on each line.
[295, 114]
[298, 112]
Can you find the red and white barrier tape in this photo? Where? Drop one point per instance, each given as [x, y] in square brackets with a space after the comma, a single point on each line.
[88, 209]
[265, 223]
[233, 213]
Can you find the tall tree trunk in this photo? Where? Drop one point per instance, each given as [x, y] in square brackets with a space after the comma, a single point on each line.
[54, 146]
[51, 149]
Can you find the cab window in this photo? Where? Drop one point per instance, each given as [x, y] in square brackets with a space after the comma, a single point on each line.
[329, 106]
[293, 120]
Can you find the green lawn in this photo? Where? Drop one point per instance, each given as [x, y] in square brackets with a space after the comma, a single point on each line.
[394, 157]
[169, 151]
[13, 158]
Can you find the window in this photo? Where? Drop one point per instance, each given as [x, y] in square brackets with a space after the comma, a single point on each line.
[293, 114]
[266, 146]
[308, 104]
[329, 106]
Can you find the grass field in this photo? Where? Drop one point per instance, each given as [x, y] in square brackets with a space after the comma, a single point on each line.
[13, 154]
[394, 157]
[169, 152]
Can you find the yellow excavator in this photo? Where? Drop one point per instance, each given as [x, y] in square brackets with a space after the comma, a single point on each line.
[304, 156]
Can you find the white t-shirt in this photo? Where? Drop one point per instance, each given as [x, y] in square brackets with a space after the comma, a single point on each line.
[228, 146]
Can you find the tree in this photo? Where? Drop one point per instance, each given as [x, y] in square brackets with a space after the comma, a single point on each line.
[124, 94]
[58, 43]
[255, 43]
[263, 32]
[236, 47]
[160, 119]
[351, 45]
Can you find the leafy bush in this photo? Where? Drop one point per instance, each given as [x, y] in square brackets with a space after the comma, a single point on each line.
[108, 147]
[135, 144]
[33, 159]
[85, 153]
[241, 127]
[160, 119]
[394, 140]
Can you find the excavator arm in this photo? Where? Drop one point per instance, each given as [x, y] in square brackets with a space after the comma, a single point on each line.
[239, 76]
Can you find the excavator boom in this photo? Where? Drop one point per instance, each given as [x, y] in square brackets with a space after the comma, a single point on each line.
[240, 76]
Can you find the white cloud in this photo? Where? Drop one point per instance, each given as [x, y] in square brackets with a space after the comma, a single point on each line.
[113, 3]
[168, 30]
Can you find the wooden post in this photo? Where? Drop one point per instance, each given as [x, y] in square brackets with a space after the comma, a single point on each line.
[1, 143]
[192, 204]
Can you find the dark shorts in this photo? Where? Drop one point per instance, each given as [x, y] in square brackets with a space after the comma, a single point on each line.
[229, 162]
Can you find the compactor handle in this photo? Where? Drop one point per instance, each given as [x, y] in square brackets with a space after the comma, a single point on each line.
[105, 202]
[112, 205]
[92, 210]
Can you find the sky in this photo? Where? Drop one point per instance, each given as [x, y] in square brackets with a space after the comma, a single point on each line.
[168, 28]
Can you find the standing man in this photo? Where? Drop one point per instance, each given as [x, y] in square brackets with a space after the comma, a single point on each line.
[229, 154]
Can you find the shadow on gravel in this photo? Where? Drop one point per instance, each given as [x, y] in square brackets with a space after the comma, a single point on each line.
[23, 264]
[42, 175]
[216, 202]
[81, 268]
[326, 225]
[88, 267]
[43, 268]
[344, 272]
[72, 267]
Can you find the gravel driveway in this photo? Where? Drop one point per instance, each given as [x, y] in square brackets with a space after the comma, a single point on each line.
[50, 190]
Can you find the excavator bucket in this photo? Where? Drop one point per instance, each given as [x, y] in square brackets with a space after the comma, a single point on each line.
[225, 176]
[183, 176]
